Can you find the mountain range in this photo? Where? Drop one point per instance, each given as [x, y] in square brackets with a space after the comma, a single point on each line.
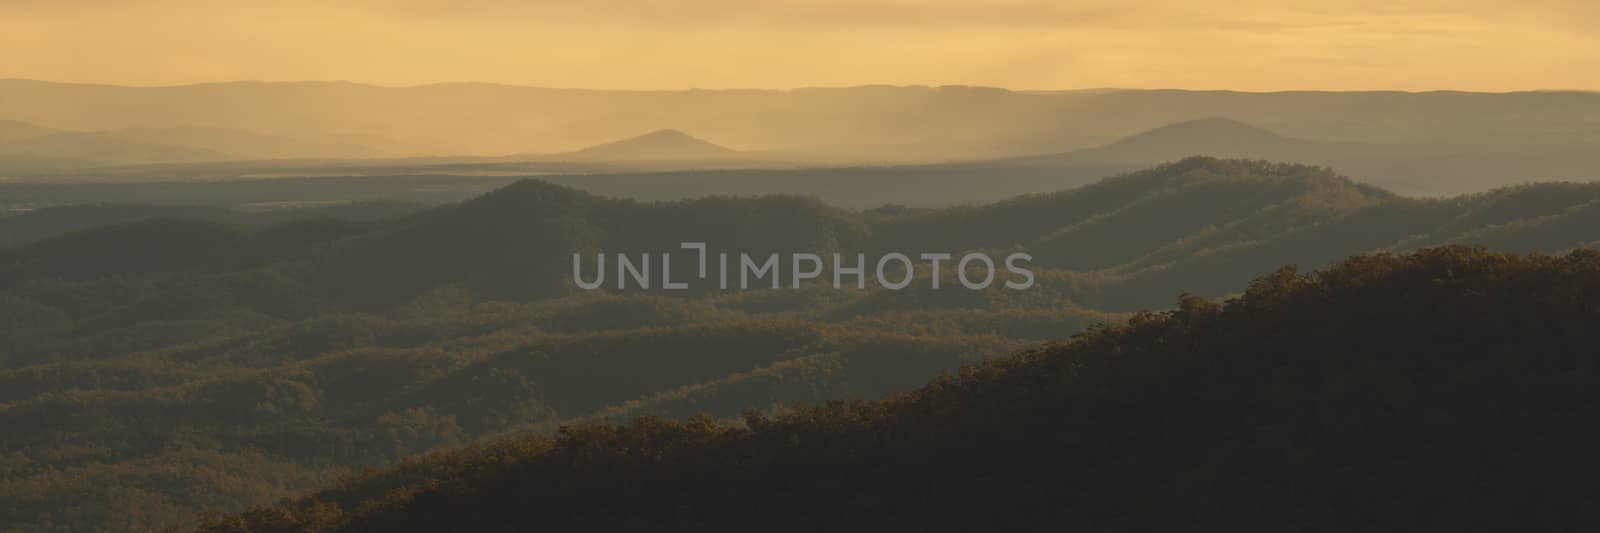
[213, 362]
[1436, 167]
[315, 306]
[671, 164]
[1435, 143]
[935, 122]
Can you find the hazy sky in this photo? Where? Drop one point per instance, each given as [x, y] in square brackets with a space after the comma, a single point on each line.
[1028, 44]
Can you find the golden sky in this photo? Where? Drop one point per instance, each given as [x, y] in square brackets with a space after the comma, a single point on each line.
[1253, 45]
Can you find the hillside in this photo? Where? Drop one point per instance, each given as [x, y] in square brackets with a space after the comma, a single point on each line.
[1426, 167]
[1445, 390]
[921, 146]
[1215, 137]
[212, 363]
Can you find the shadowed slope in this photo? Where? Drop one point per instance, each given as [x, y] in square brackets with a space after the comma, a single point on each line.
[1444, 390]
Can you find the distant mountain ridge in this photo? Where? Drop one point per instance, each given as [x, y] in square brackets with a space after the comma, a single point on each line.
[1212, 137]
[927, 123]
[1433, 143]
[658, 145]
[671, 165]
[1417, 168]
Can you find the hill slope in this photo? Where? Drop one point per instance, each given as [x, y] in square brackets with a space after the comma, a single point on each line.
[1124, 244]
[1443, 390]
[251, 362]
[1214, 137]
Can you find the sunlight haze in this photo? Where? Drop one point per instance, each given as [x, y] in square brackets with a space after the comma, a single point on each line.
[1250, 45]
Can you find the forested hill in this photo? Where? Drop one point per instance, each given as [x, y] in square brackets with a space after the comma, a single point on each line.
[173, 365]
[1445, 390]
[1125, 243]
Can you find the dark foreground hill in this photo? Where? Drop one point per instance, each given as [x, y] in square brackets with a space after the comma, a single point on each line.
[1447, 390]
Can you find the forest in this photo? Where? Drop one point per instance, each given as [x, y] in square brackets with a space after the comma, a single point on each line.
[165, 366]
[1449, 389]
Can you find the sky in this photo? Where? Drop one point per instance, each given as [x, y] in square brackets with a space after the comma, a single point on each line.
[1251, 45]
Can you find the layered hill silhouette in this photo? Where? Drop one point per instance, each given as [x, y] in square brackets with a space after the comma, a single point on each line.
[1435, 143]
[1213, 137]
[1419, 167]
[251, 361]
[929, 122]
[1442, 390]
[659, 145]
[672, 165]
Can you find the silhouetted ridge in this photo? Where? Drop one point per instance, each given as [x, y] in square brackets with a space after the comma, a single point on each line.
[1204, 129]
[665, 144]
[1215, 137]
[1445, 390]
